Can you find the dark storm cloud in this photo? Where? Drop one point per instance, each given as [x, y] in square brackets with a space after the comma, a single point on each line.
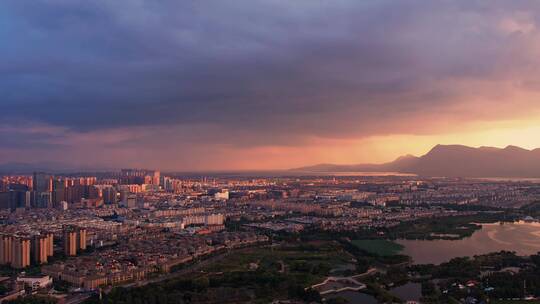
[274, 68]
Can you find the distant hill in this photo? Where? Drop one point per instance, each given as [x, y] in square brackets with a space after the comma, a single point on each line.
[453, 161]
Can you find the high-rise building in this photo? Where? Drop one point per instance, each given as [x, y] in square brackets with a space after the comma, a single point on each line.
[42, 186]
[42, 182]
[59, 193]
[133, 172]
[44, 200]
[20, 253]
[109, 195]
[16, 196]
[129, 200]
[29, 198]
[81, 239]
[74, 240]
[50, 244]
[6, 245]
[40, 250]
[95, 192]
[70, 242]
[156, 178]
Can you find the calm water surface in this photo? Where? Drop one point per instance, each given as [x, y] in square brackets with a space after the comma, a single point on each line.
[408, 292]
[521, 237]
[354, 297]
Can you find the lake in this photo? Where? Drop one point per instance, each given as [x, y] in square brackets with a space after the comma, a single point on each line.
[521, 237]
[408, 292]
[354, 297]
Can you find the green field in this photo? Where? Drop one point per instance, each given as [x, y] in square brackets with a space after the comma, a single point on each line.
[311, 262]
[378, 247]
[250, 275]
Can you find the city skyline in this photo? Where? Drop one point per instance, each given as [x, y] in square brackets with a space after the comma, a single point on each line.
[111, 237]
[263, 85]
[256, 151]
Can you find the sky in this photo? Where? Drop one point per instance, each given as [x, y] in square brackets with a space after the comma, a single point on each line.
[240, 85]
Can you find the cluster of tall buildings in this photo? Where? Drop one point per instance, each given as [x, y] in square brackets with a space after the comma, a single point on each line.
[139, 176]
[43, 190]
[74, 240]
[46, 191]
[21, 251]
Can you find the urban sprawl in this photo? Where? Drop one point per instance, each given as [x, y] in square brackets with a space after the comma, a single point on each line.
[96, 231]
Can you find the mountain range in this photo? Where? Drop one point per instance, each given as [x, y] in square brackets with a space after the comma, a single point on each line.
[453, 161]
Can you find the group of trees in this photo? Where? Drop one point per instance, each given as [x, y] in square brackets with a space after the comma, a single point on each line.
[233, 287]
[482, 277]
[281, 273]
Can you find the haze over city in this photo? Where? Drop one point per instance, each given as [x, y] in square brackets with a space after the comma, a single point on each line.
[263, 84]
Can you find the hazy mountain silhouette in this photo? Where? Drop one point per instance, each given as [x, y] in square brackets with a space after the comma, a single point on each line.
[453, 161]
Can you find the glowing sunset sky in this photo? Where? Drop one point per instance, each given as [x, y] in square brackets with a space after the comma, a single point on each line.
[199, 85]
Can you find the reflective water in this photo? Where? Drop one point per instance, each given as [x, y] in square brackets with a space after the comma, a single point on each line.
[521, 237]
[354, 297]
[408, 292]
